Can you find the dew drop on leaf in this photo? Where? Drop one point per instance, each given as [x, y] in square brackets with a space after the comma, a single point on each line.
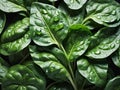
[98, 17]
[56, 19]
[97, 52]
[72, 1]
[43, 11]
[82, 42]
[112, 46]
[113, 12]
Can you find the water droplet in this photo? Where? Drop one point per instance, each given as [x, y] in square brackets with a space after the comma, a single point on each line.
[118, 41]
[97, 52]
[113, 12]
[43, 11]
[112, 46]
[75, 18]
[82, 42]
[98, 17]
[104, 47]
[71, 1]
[59, 26]
[56, 19]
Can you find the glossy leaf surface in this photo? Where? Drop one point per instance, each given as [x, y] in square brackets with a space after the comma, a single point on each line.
[48, 23]
[103, 12]
[113, 84]
[116, 58]
[8, 6]
[94, 73]
[75, 4]
[15, 38]
[2, 21]
[104, 43]
[78, 41]
[21, 78]
[49, 63]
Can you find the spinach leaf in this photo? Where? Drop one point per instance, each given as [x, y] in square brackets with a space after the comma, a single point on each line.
[8, 6]
[15, 38]
[116, 57]
[113, 84]
[49, 63]
[77, 41]
[75, 4]
[104, 12]
[95, 73]
[104, 43]
[48, 23]
[2, 21]
[20, 77]
[3, 69]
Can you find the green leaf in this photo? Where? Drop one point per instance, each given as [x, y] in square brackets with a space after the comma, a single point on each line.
[24, 3]
[50, 64]
[104, 43]
[116, 57]
[72, 16]
[77, 42]
[75, 4]
[19, 77]
[52, 0]
[15, 38]
[3, 69]
[61, 86]
[113, 84]
[15, 31]
[48, 23]
[2, 21]
[104, 12]
[8, 6]
[95, 73]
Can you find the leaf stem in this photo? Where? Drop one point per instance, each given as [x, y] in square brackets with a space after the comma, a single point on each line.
[24, 58]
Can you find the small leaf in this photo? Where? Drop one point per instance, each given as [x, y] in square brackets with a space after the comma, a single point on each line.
[104, 43]
[77, 42]
[113, 84]
[50, 65]
[116, 57]
[21, 77]
[75, 4]
[94, 73]
[2, 21]
[48, 23]
[7, 6]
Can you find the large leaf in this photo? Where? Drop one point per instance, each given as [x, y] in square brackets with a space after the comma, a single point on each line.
[8, 6]
[75, 4]
[48, 23]
[15, 38]
[113, 84]
[104, 12]
[49, 63]
[78, 41]
[104, 43]
[94, 72]
[19, 77]
[2, 21]
[116, 58]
